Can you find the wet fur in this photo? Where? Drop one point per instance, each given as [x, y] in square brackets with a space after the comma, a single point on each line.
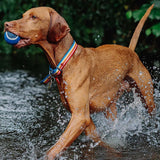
[92, 80]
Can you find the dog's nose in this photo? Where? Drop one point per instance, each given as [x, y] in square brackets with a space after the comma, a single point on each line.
[7, 24]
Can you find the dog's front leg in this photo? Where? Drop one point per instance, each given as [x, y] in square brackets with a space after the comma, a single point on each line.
[79, 107]
[75, 127]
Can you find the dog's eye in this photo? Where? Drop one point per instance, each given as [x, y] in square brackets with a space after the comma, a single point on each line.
[33, 17]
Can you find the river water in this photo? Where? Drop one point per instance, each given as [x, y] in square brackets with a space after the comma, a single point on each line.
[32, 118]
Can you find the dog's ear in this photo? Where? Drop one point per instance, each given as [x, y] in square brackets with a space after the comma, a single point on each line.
[58, 28]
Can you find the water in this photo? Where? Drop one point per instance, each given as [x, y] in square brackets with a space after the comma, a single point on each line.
[32, 118]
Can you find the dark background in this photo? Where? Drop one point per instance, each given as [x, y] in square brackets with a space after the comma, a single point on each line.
[93, 23]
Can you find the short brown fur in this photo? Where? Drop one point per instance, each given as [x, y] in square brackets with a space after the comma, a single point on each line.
[92, 80]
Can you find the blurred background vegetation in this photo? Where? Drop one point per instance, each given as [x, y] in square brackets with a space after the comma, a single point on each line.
[93, 23]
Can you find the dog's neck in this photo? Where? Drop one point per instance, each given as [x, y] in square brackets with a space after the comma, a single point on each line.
[55, 52]
[62, 47]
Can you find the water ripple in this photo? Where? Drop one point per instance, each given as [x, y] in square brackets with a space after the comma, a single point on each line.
[32, 118]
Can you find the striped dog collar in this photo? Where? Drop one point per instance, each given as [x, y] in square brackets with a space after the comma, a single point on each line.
[58, 70]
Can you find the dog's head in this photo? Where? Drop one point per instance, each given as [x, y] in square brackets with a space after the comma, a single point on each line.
[38, 24]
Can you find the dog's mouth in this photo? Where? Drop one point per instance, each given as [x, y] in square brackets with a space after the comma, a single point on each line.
[23, 40]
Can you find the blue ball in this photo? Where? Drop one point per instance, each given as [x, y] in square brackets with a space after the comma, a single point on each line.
[11, 38]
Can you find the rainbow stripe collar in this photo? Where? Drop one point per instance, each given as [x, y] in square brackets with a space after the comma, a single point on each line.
[56, 72]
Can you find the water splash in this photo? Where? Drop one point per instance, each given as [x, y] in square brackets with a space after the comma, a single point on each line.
[32, 119]
[133, 120]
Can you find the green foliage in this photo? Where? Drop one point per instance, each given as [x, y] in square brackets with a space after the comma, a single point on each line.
[156, 29]
[154, 16]
[92, 22]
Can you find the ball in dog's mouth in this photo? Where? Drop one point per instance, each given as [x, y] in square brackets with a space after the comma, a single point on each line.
[11, 38]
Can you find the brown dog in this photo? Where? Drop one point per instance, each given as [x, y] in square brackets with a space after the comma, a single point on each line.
[93, 79]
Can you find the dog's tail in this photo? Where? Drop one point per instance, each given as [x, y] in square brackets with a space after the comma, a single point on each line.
[138, 29]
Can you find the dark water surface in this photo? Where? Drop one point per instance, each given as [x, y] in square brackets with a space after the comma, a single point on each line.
[32, 118]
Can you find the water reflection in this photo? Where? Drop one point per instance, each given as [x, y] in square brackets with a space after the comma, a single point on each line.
[32, 118]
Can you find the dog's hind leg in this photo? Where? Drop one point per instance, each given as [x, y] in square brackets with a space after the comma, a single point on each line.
[91, 132]
[111, 112]
[144, 85]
